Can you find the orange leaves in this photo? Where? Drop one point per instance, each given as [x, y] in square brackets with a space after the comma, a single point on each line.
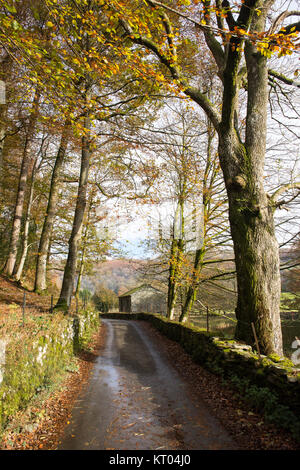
[278, 43]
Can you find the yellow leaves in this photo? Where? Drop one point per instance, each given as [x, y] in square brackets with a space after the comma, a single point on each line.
[263, 45]
[242, 32]
[266, 53]
[76, 61]
[285, 52]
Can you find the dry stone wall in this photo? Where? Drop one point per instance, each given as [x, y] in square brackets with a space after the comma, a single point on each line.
[29, 365]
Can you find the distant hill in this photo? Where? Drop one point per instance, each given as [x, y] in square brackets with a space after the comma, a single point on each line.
[119, 275]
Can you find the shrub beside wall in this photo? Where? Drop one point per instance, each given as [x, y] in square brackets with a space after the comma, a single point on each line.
[28, 363]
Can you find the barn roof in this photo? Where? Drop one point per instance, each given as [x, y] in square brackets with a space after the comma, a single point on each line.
[136, 289]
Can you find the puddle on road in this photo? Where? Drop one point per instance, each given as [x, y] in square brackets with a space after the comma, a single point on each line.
[106, 363]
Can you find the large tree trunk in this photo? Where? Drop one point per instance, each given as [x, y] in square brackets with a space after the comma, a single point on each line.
[70, 268]
[18, 212]
[41, 263]
[257, 266]
[255, 245]
[250, 211]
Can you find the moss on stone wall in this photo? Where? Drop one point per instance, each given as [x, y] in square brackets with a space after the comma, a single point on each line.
[30, 364]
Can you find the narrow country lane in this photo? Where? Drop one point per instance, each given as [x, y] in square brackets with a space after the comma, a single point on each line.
[135, 400]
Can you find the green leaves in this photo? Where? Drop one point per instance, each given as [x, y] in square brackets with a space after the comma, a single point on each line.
[10, 7]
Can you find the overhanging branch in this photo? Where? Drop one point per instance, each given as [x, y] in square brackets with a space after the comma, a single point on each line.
[283, 78]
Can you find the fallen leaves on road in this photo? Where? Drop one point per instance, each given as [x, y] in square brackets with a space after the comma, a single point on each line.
[128, 426]
[248, 429]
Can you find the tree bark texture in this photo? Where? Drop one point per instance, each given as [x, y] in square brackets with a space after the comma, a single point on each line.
[172, 287]
[251, 216]
[250, 211]
[20, 268]
[193, 286]
[5, 72]
[84, 249]
[44, 243]
[75, 238]
[174, 276]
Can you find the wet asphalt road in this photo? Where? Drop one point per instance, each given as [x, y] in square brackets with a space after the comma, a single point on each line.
[135, 400]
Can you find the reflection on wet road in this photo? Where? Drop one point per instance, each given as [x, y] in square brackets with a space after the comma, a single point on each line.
[136, 400]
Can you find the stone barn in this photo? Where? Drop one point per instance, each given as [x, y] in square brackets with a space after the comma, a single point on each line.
[144, 298]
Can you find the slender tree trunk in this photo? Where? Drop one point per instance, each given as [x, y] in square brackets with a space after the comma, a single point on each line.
[70, 268]
[84, 248]
[176, 256]
[2, 135]
[80, 274]
[5, 72]
[209, 178]
[174, 274]
[18, 212]
[49, 247]
[26, 227]
[193, 287]
[172, 285]
[41, 262]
